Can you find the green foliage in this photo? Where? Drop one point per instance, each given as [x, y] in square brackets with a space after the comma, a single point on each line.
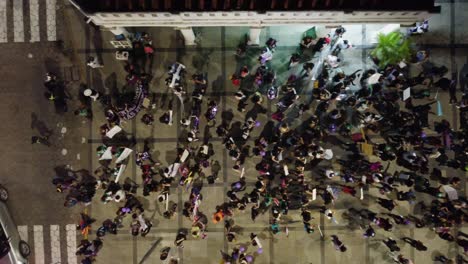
[392, 48]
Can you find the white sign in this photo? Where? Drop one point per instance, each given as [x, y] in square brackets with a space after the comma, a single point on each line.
[125, 153]
[107, 155]
[406, 93]
[174, 169]
[113, 131]
[121, 170]
[176, 75]
[184, 156]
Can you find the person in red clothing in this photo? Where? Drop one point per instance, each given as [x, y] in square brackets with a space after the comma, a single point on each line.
[349, 190]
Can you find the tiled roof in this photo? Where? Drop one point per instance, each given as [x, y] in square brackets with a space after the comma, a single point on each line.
[92, 6]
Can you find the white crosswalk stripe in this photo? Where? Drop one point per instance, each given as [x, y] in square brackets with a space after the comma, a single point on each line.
[51, 24]
[3, 21]
[23, 232]
[39, 256]
[14, 8]
[41, 250]
[18, 21]
[71, 244]
[55, 243]
[34, 20]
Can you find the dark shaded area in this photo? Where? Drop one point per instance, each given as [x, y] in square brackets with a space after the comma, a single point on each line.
[40, 126]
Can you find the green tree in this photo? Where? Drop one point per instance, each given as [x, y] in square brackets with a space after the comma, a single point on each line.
[392, 48]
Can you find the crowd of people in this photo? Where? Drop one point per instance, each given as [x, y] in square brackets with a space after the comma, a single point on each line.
[368, 120]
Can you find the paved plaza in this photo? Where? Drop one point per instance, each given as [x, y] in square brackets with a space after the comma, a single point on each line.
[447, 42]
[215, 55]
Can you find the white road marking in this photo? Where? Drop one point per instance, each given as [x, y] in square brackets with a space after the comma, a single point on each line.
[38, 244]
[55, 243]
[23, 232]
[3, 21]
[34, 20]
[18, 25]
[51, 23]
[71, 244]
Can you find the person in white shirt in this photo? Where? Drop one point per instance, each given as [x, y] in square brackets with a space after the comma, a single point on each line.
[333, 61]
[92, 94]
[119, 196]
[330, 173]
[93, 62]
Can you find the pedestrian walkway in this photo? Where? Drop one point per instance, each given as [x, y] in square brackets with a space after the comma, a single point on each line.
[28, 21]
[46, 243]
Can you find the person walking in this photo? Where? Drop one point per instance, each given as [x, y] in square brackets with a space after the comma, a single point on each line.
[338, 244]
[391, 244]
[415, 243]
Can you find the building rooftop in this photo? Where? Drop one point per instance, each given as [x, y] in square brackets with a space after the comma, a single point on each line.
[174, 6]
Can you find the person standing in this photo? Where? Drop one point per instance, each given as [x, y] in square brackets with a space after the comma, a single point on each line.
[369, 232]
[386, 203]
[164, 253]
[180, 238]
[94, 63]
[91, 93]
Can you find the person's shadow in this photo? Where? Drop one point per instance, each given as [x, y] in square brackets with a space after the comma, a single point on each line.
[98, 43]
[217, 88]
[40, 126]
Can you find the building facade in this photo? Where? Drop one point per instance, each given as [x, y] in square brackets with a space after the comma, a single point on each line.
[116, 15]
